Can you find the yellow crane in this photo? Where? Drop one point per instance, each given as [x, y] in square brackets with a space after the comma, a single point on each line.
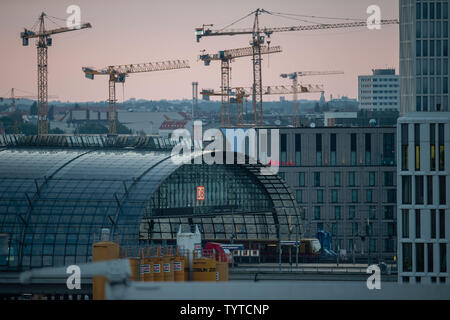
[43, 42]
[13, 98]
[243, 92]
[226, 57]
[117, 74]
[294, 77]
[258, 38]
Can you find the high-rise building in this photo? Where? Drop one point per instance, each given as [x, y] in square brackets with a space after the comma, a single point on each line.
[423, 143]
[378, 91]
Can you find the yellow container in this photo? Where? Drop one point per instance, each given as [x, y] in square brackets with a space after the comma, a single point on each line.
[167, 266]
[204, 269]
[178, 268]
[222, 271]
[102, 251]
[157, 269]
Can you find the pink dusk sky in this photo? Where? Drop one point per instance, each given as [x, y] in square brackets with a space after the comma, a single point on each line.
[137, 31]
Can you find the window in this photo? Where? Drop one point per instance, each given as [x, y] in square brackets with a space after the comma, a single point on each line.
[389, 245]
[333, 149]
[298, 149]
[429, 189]
[282, 175]
[430, 257]
[388, 148]
[316, 213]
[391, 229]
[283, 147]
[388, 212]
[407, 257]
[337, 212]
[334, 228]
[442, 190]
[301, 179]
[354, 196]
[369, 196]
[432, 147]
[334, 196]
[419, 189]
[443, 257]
[368, 148]
[320, 226]
[389, 178]
[353, 148]
[351, 179]
[442, 223]
[406, 189]
[371, 178]
[417, 146]
[354, 228]
[372, 212]
[391, 195]
[317, 179]
[404, 142]
[351, 212]
[441, 147]
[373, 245]
[433, 223]
[417, 224]
[337, 179]
[319, 196]
[318, 149]
[405, 223]
[420, 262]
[299, 196]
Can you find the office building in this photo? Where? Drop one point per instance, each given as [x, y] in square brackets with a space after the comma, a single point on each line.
[423, 144]
[379, 91]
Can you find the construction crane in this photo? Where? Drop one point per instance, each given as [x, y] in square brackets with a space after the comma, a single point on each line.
[226, 57]
[257, 41]
[43, 42]
[117, 74]
[294, 77]
[239, 93]
[13, 98]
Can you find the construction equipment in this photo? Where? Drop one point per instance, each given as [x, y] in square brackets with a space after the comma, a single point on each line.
[13, 97]
[44, 41]
[117, 74]
[242, 92]
[226, 57]
[294, 77]
[258, 39]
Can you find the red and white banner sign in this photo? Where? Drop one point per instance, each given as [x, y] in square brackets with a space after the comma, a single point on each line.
[156, 268]
[166, 267]
[145, 268]
[177, 266]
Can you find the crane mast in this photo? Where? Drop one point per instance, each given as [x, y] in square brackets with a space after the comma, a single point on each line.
[294, 77]
[117, 74]
[257, 41]
[43, 42]
[226, 57]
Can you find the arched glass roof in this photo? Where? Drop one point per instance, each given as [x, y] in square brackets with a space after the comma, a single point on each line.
[53, 201]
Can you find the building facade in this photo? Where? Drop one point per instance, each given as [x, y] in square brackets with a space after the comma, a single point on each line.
[379, 91]
[344, 182]
[423, 143]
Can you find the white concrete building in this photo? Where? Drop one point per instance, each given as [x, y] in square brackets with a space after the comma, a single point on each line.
[379, 91]
[423, 144]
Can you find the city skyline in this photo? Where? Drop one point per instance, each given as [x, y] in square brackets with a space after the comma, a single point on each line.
[144, 32]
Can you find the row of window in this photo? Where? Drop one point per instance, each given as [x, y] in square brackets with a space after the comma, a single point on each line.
[432, 249]
[433, 144]
[335, 196]
[432, 29]
[432, 85]
[437, 221]
[388, 179]
[420, 194]
[433, 10]
[431, 66]
[352, 213]
[372, 245]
